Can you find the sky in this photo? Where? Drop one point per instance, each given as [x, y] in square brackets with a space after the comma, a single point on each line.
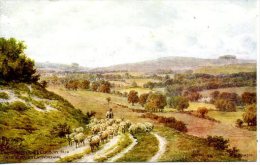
[99, 33]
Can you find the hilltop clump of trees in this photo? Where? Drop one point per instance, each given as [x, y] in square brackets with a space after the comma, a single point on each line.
[15, 66]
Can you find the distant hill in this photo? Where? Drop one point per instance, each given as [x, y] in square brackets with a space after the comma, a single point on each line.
[172, 63]
[47, 66]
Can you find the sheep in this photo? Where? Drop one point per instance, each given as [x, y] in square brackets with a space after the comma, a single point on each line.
[149, 126]
[128, 123]
[110, 121]
[70, 138]
[95, 129]
[123, 127]
[103, 126]
[78, 130]
[94, 142]
[94, 120]
[118, 121]
[79, 139]
[140, 127]
[103, 136]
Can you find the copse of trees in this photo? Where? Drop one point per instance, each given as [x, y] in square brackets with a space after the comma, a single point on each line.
[192, 96]
[143, 99]
[155, 102]
[225, 105]
[104, 86]
[15, 66]
[249, 98]
[178, 102]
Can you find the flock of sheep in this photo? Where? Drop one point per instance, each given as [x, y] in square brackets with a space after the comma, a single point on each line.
[104, 129]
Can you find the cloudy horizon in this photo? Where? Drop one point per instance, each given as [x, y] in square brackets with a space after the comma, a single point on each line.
[105, 33]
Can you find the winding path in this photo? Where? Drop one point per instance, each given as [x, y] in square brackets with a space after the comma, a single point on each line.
[123, 152]
[162, 147]
[90, 157]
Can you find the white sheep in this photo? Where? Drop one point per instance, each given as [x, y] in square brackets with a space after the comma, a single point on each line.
[79, 139]
[78, 130]
[94, 142]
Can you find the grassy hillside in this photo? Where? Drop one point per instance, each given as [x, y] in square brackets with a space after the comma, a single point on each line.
[28, 114]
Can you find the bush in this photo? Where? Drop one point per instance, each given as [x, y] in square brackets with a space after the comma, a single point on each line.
[4, 95]
[167, 121]
[60, 130]
[218, 142]
[202, 111]
[18, 106]
[239, 123]
[234, 152]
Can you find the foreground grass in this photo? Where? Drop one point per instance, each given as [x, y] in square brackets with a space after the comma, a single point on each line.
[73, 158]
[185, 148]
[145, 149]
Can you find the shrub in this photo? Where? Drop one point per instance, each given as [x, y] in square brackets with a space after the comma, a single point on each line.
[4, 95]
[250, 115]
[239, 123]
[167, 121]
[218, 142]
[202, 111]
[234, 152]
[60, 130]
[18, 106]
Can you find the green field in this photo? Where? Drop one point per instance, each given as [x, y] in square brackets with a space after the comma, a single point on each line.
[226, 69]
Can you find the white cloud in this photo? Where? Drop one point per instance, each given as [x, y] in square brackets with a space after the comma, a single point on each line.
[102, 33]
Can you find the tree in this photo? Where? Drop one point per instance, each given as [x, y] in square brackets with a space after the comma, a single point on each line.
[239, 123]
[143, 98]
[249, 116]
[156, 102]
[249, 98]
[94, 86]
[192, 96]
[133, 97]
[85, 84]
[202, 111]
[14, 64]
[173, 90]
[225, 105]
[104, 86]
[108, 100]
[179, 102]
